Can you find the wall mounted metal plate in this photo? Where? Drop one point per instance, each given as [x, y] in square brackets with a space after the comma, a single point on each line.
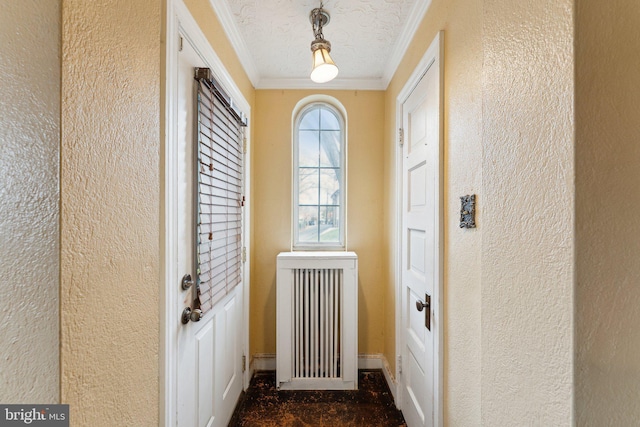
[468, 211]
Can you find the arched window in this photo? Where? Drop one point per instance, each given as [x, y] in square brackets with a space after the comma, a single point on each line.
[319, 178]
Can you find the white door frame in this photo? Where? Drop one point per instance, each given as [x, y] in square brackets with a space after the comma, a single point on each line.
[181, 23]
[435, 50]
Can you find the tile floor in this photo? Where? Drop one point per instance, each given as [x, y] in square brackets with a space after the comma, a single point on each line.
[371, 405]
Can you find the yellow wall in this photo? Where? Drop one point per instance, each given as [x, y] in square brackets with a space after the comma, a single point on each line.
[607, 371]
[110, 201]
[461, 21]
[209, 23]
[29, 209]
[271, 181]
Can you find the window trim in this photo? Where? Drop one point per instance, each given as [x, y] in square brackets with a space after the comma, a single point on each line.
[300, 110]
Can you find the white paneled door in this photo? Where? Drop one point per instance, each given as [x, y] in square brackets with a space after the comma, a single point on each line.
[209, 355]
[420, 250]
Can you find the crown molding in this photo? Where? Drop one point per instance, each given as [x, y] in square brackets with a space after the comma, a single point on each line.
[228, 22]
[336, 84]
[402, 44]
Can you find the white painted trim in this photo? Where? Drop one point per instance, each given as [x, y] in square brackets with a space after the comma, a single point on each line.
[337, 84]
[435, 50]
[168, 231]
[267, 361]
[248, 207]
[228, 22]
[404, 40]
[437, 46]
[370, 361]
[397, 244]
[301, 105]
[391, 381]
[263, 362]
[180, 21]
[420, 70]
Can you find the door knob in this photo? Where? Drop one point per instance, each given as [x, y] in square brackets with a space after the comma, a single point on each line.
[191, 315]
[422, 305]
[187, 282]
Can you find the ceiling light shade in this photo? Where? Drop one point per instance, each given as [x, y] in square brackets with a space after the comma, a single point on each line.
[323, 67]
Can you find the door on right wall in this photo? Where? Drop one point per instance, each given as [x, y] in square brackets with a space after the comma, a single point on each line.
[421, 248]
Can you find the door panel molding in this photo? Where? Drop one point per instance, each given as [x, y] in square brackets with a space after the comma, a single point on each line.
[433, 54]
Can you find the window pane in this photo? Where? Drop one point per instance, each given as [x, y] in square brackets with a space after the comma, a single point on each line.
[328, 120]
[330, 149]
[311, 120]
[319, 166]
[329, 224]
[308, 224]
[308, 150]
[308, 186]
[330, 186]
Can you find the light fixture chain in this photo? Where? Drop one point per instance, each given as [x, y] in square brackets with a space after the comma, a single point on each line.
[317, 23]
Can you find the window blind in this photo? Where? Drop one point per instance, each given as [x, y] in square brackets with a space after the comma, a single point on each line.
[220, 198]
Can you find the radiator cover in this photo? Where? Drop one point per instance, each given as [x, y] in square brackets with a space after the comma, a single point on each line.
[317, 321]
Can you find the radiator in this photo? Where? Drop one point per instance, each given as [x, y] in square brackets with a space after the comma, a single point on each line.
[317, 321]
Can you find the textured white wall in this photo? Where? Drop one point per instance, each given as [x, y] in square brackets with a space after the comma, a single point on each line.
[29, 210]
[463, 175]
[607, 206]
[110, 211]
[528, 213]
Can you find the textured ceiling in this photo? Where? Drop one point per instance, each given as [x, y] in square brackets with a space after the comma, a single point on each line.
[272, 38]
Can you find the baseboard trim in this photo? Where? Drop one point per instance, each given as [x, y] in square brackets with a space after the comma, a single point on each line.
[263, 362]
[391, 380]
[378, 361]
[267, 362]
[370, 361]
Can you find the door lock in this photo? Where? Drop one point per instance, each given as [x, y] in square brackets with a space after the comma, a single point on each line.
[191, 315]
[420, 305]
[187, 282]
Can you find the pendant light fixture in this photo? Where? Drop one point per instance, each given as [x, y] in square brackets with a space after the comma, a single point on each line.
[324, 69]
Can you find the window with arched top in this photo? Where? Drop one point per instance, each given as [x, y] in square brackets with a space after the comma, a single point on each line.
[319, 178]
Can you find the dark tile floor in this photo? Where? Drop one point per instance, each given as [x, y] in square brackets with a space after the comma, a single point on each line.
[371, 405]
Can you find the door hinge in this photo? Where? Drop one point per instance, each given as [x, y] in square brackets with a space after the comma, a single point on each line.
[180, 41]
[244, 254]
[399, 364]
[401, 136]
[244, 363]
